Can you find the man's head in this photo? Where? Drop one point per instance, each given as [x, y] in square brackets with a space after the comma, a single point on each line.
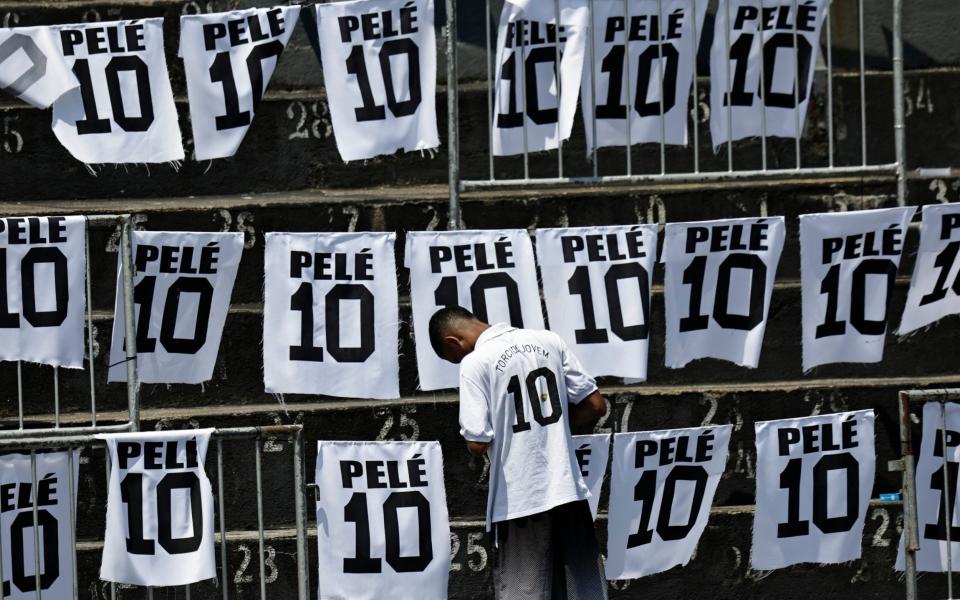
[454, 332]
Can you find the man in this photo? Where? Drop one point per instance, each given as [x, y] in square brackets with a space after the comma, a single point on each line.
[520, 390]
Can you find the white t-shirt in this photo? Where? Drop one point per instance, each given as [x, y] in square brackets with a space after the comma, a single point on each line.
[515, 388]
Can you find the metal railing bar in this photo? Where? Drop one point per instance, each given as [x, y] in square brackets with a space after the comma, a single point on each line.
[696, 96]
[908, 483]
[660, 68]
[763, 92]
[107, 219]
[936, 395]
[828, 24]
[628, 89]
[899, 127]
[107, 467]
[71, 438]
[521, 64]
[453, 116]
[491, 92]
[729, 91]
[863, 87]
[56, 397]
[222, 520]
[130, 336]
[947, 500]
[595, 155]
[35, 496]
[20, 393]
[796, 87]
[72, 499]
[59, 434]
[259, 476]
[89, 301]
[711, 176]
[300, 491]
[557, 76]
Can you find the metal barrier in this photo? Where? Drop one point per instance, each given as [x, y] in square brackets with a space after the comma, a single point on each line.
[290, 433]
[911, 525]
[56, 429]
[697, 173]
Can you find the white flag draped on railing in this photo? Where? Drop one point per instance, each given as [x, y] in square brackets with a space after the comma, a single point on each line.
[633, 77]
[935, 287]
[530, 112]
[42, 293]
[44, 481]
[228, 59]
[756, 91]
[182, 291]
[159, 509]
[937, 470]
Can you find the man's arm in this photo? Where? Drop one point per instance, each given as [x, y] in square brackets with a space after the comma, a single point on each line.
[589, 409]
[478, 448]
[475, 425]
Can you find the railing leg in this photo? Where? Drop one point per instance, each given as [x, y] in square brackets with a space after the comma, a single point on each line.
[453, 111]
[899, 133]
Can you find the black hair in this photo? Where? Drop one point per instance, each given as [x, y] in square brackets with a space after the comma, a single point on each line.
[443, 321]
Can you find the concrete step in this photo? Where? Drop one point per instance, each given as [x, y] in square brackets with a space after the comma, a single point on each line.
[925, 31]
[291, 146]
[237, 377]
[424, 207]
[720, 568]
[434, 417]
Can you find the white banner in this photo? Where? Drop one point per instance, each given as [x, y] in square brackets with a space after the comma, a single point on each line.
[592, 453]
[32, 67]
[42, 289]
[596, 283]
[380, 67]
[228, 59]
[756, 91]
[383, 530]
[491, 273]
[526, 101]
[181, 294]
[935, 287]
[123, 111]
[635, 79]
[661, 489]
[814, 480]
[717, 288]
[331, 315]
[56, 532]
[159, 509]
[931, 485]
[848, 264]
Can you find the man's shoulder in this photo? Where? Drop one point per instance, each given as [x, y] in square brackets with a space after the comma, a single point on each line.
[472, 364]
[543, 336]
